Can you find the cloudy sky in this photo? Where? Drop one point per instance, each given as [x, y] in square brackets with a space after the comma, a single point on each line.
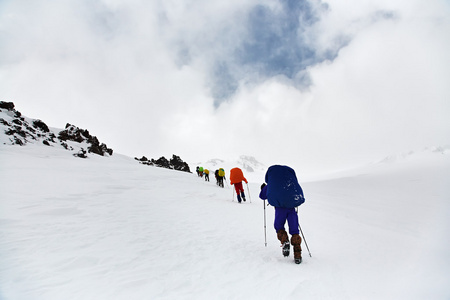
[314, 84]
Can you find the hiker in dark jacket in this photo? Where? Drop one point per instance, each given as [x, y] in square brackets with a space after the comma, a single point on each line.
[285, 194]
[216, 174]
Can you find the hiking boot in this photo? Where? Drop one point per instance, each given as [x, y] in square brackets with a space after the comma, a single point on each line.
[284, 239]
[286, 248]
[239, 198]
[296, 241]
[243, 196]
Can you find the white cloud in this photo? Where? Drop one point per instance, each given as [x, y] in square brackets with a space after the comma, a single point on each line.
[138, 75]
[390, 82]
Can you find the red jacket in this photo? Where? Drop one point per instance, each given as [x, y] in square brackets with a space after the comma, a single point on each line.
[237, 176]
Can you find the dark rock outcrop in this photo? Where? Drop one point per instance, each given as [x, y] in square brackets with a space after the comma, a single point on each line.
[41, 125]
[175, 163]
[21, 130]
[178, 164]
[73, 133]
[7, 105]
[24, 130]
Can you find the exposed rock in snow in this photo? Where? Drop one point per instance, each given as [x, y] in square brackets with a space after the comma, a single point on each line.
[175, 163]
[16, 129]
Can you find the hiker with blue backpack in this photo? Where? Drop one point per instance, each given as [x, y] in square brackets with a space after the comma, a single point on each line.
[283, 192]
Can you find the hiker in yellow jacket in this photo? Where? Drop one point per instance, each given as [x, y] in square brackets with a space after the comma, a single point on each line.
[220, 177]
[206, 172]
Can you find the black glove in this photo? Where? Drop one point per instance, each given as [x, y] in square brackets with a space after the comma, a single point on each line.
[263, 185]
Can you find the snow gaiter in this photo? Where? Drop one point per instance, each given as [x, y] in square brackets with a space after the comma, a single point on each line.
[296, 240]
[282, 236]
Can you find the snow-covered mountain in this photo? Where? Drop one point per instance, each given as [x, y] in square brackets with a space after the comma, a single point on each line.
[109, 228]
[250, 164]
[252, 168]
[16, 129]
[411, 154]
[246, 162]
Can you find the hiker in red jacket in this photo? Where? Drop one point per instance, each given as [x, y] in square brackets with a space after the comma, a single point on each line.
[236, 178]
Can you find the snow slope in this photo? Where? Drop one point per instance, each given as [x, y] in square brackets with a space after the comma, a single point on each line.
[109, 228]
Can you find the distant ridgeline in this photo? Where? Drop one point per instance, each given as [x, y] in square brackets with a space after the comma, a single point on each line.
[175, 163]
[21, 130]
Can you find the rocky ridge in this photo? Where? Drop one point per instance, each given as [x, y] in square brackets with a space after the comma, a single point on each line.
[16, 129]
[175, 163]
[20, 130]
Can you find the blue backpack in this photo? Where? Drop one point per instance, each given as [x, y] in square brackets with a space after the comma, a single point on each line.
[283, 189]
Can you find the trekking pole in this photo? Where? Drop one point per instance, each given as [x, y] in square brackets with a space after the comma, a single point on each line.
[232, 199]
[296, 210]
[249, 197]
[265, 235]
[304, 239]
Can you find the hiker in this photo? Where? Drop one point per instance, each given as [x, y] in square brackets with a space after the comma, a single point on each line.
[285, 194]
[200, 171]
[236, 178]
[197, 170]
[216, 174]
[206, 172]
[220, 177]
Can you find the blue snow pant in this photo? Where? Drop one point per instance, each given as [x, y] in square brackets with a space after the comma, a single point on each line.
[289, 214]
